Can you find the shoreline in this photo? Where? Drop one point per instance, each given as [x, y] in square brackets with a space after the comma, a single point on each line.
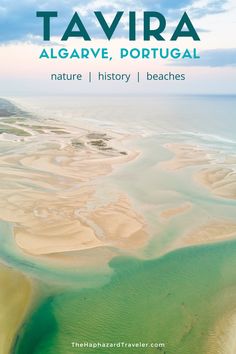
[14, 305]
[47, 181]
[218, 178]
[60, 211]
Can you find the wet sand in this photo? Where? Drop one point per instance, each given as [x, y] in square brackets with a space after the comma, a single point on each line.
[221, 339]
[171, 212]
[15, 298]
[214, 231]
[184, 156]
[50, 190]
[219, 180]
[213, 173]
[51, 193]
[218, 176]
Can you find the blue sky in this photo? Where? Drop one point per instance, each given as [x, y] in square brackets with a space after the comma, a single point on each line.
[214, 58]
[21, 43]
[18, 21]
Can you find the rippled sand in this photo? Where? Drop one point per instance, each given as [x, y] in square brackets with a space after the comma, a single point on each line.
[218, 176]
[49, 189]
[220, 180]
[214, 171]
[222, 338]
[51, 193]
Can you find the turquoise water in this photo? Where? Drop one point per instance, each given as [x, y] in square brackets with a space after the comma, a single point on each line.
[12, 256]
[173, 300]
[209, 118]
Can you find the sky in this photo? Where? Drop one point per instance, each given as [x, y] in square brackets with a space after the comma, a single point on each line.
[23, 73]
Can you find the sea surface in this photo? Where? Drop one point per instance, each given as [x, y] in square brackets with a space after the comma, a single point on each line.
[176, 297]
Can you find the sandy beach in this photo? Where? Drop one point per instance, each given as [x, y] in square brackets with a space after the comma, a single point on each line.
[15, 298]
[222, 340]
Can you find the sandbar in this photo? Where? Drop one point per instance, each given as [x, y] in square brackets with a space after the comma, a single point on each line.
[213, 231]
[15, 297]
[171, 212]
[219, 180]
[49, 192]
[185, 155]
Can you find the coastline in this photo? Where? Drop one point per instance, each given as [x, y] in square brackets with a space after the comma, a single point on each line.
[61, 166]
[15, 299]
[216, 176]
[38, 174]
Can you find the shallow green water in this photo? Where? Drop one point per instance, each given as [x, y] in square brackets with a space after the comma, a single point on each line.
[174, 300]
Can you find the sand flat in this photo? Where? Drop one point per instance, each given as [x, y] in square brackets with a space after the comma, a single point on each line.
[219, 177]
[114, 224]
[50, 193]
[222, 338]
[213, 231]
[121, 225]
[219, 180]
[185, 155]
[171, 212]
[15, 298]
